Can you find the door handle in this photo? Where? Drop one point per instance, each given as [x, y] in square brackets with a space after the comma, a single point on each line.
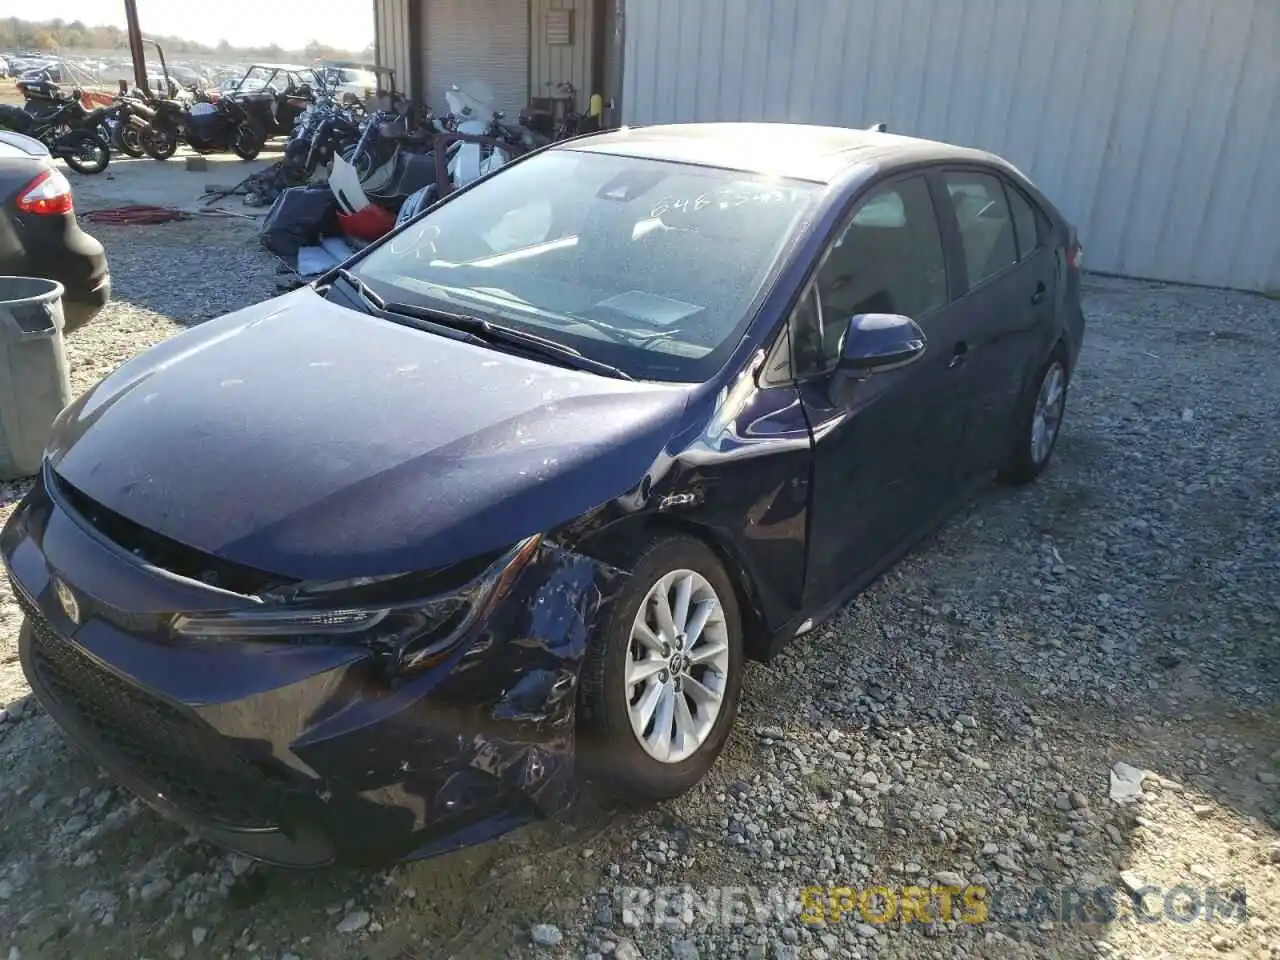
[958, 355]
[1038, 296]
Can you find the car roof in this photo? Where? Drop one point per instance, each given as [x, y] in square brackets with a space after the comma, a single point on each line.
[793, 150]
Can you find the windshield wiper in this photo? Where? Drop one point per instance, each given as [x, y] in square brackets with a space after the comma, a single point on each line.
[479, 330]
[367, 292]
[497, 333]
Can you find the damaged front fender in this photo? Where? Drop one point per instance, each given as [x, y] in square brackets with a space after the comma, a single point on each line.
[476, 744]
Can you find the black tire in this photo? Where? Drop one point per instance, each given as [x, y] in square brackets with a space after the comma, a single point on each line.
[608, 749]
[1024, 465]
[84, 152]
[159, 143]
[127, 142]
[249, 142]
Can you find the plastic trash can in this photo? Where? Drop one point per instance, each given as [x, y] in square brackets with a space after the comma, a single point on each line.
[34, 381]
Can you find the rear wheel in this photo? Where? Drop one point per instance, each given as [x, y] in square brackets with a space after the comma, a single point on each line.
[1039, 422]
[84, 152]
[661, 680]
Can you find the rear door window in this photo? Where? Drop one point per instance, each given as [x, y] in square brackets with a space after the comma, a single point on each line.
[986, 225]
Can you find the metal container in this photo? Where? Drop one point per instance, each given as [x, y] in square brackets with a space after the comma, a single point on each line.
[34, 381]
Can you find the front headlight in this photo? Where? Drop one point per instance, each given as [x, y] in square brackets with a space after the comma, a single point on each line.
[410, 635]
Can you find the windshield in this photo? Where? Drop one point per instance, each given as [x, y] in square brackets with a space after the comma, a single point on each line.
[645, 265]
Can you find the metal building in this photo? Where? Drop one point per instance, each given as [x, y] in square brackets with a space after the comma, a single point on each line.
[520, 48]
[1155, 124]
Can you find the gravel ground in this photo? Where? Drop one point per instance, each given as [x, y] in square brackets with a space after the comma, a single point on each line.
[1109, 632]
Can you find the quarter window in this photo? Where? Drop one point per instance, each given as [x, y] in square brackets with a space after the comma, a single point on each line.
[986, 227]
[1024, 222]
[887, 260]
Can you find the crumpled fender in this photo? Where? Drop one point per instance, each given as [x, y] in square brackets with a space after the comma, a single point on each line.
[545, 627]
[475, 745]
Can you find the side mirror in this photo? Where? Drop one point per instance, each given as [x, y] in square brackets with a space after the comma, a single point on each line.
[876, 342]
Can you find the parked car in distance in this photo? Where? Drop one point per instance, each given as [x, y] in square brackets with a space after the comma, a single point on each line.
[382, 565]
[39, 233]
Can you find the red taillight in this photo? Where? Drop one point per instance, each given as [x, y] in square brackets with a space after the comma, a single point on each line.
[49, 193]
[1075, 255]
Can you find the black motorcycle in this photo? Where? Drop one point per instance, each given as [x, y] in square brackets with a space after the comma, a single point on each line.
[320, 135]
[68, 131]
[206, 127]
[133, 115]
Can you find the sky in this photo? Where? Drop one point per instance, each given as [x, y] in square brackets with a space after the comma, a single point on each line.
[346, 24]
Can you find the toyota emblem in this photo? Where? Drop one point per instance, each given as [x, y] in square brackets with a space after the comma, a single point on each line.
[68, 600]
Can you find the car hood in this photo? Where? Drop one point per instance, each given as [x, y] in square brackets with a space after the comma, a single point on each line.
[315, 442]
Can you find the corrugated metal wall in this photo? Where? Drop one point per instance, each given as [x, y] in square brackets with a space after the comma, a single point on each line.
[550, 65]
[393, 45]
[476, 40]
[1154, 124]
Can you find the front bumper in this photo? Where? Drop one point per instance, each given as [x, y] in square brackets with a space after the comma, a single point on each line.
[302, 756]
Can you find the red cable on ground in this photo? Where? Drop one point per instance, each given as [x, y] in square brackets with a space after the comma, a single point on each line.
[136, 215]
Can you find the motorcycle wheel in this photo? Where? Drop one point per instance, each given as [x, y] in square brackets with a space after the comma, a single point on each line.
[127, 142]
[84, 152]
[160, 143]
[248, 142]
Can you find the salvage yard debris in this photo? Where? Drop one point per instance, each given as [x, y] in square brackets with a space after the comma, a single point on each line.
[136, 214]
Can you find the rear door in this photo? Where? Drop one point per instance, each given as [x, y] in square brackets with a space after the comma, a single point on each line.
[1007, 293]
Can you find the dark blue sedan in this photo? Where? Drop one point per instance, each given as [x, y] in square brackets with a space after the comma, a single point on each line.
[384, 566]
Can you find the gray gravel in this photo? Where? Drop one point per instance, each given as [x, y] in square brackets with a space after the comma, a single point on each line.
[966, 721]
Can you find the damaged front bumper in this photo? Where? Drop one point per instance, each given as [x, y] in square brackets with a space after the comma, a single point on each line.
[305, 755]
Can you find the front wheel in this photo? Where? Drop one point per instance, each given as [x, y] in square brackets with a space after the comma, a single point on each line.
[159, 143]
[84, 152]
[248, 142]
[662, 676]
[1039, 422]
[127, 142]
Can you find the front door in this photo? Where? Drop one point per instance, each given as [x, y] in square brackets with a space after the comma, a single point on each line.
[884, 448]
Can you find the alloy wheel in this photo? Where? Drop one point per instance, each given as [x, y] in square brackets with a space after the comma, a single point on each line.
[1047, 417]
[677, 666]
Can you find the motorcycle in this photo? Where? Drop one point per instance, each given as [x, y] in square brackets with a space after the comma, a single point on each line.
[206, 127]
[68, 131]
[215, 127]
[384, 133]
[133, 116]
[323, 131]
